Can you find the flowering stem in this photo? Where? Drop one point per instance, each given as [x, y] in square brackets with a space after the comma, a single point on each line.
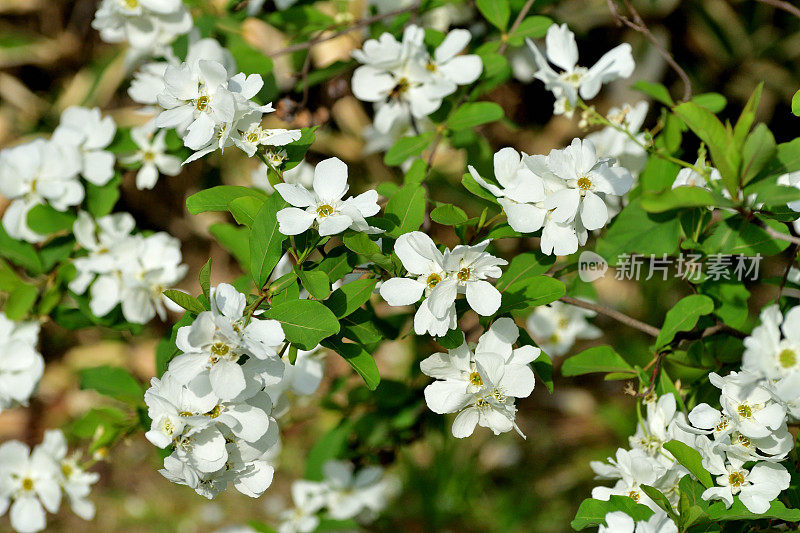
[527, 7]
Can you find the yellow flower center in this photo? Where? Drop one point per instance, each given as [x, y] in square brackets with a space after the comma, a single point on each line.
[148, 157]
[634, 495]
[433, 280]
[464, 274]
[131, 4]
[736, 479]
[252, 137]
[185, 414]
[27, 484]
[743, 440]
[475, 379]
[745, 411]
[431, 66]
[324, 210]
[202, 103]
[402, 86]
[787, 358]
[215, 412]
[722, 424]
[220, 349]
[67, 470]
[584, 183]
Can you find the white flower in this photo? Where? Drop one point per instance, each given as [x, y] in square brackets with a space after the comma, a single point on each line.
[216, 341]
[585, 175]
[324, 205]
[34, 173]
[405, 79]
[557, 326]
[29, 483]
[153, 156]
[21, 365]
[425, 263]
[308, 498]
[792, 179]
[633, 468]
[301, 378]
[196, 98]
[88, 132]
[519, 192]
[467, 268]
[74, 480]
[574, 80]
[148, 25]
[749, 406]
[104, 239]
[756, 487]
[481, 385]
[349, 494]
[618, 145]
[767, 353]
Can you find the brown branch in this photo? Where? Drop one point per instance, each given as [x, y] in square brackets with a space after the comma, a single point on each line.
[656, 371]
[775, 234]
[785, 6]
[356, 25]
[616, 315]
[527, 7]
[638, 24]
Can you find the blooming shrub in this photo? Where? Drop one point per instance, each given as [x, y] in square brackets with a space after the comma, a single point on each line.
[335, 262]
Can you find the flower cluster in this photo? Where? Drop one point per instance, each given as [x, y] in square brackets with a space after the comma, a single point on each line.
[574, 80]
[344, 493]
[324, 207]
[213, 110]
[647, 462]
[48, 171]
[122, 268]
[557, 326]
[403, 79]
[211, 405]
[21, 366]
[480, 382]
[32, 482]
[441, 277]
[624, 143]
[565, 194]
[149, 26]
[619, 522]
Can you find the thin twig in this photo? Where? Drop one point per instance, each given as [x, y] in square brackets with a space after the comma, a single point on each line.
[656, 371]
[527, 7]
[786, 6]
[356, 25]
[637, 24]
[789, 265]
[616, 315]
[775, 234]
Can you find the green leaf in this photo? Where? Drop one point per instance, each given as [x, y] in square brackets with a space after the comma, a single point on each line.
[523, 267]
[315, 282]
[691, 459]
[538, 290]
[338, 263]
[349, 297]
[593, 512]
[248, 59]
[711, 131]
[474, 114]
[20, 300]
[205, 279]
[735, 235]
[714, 102]
[361, 244]
[636, 231]
[218, 198]
[759, 149]
[305, 322]
[534, 27]
[407, 147]
[497, 12]
[235, 239]
[595, 360]
[449, 215]
[452, 339]
[472, 186]
[406, 209]
[796, 104]
[684, 317]
[9, 279]
[187, 301]
[681, 197]
[658, 497]
[358, 358]
[266, 242]
[245, 208]
[113, 381]
[46, 220]
[656, 91]
[101, 199]
[747, 117]
[737, 511]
